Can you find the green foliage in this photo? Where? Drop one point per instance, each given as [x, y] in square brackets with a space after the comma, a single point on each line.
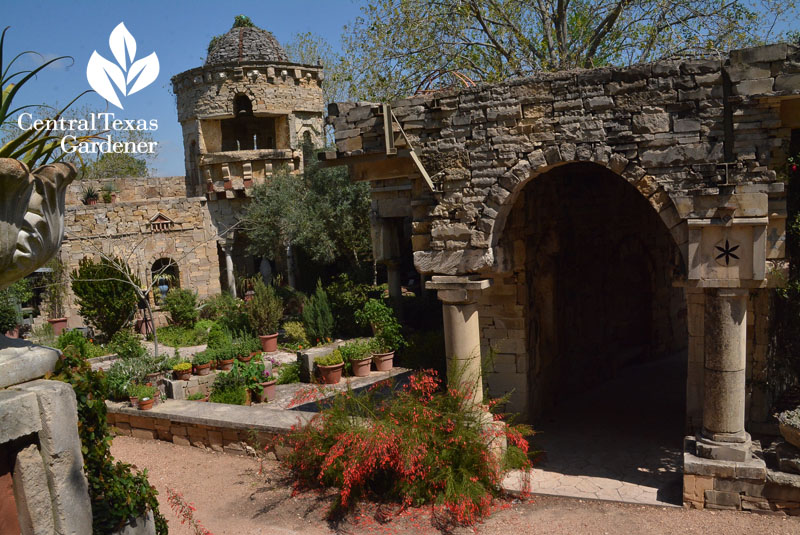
[346, 298]
[231, 396]
[380, 317]
[420, 446]
[242, 21]
[244, 345]
[218, 337]
[85, 348]
[317, 316]
[11, 301]
[126, 345]
[331, 359]
[55, 288]
[196, 396]
[182, 366]
[141, 391]
[176, 336]
[356, 350]
[117, 492]
[322, 212]
[44, 335]
[288, 373]
[181, 304]
[119, 164]
[229, 387]
[204, 357]
[295, 334]
[398, 47]
[251, 373]
[265, 309]
[105, 292]
[226, 310]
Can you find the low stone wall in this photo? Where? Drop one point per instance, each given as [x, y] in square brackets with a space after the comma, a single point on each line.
[748, 486]
[220, 427]
[183, 389]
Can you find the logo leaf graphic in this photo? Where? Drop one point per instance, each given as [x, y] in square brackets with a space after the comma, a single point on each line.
[100, 72]
[149, 67]
[120, 40]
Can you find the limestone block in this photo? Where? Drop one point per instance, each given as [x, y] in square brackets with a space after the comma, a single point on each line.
[32, 493]
[61, 451]
[753, 87]
[787, 82]
[19, 415]
[650, 123]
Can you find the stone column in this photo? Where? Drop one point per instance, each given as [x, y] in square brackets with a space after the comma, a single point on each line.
[725, 324]
[227, 249]
[462, 335]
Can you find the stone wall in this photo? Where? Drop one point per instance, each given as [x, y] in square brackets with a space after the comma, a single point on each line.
[673, 130]
[129, 188]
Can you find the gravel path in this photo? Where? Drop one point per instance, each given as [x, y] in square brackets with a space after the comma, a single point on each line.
[232, 498]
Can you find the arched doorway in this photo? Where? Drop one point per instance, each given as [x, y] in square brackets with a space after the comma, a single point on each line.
[166, 276]
[606, 328]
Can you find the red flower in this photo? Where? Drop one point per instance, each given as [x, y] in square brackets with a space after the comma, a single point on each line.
[794, 168]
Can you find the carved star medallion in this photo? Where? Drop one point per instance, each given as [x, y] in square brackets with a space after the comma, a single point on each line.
[726, 252]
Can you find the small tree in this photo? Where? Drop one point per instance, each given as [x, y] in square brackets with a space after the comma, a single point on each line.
[55, 288]
[317, 316]
[265, 309]
[182, 307]
[106, 298]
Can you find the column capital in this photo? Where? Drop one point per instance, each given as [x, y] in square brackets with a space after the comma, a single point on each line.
[453, 289]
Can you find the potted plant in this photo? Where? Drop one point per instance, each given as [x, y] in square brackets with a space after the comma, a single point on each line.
[182, 371]
[388, 337]
[241, 351]
[201, 363]
[55, 294]
[268, 390]
[109, 192]
[252, 374]
[330, 367]
[147, 396]
[789, 425]
[358, 354]
[225, 359]
[90, 196]
[264, 311]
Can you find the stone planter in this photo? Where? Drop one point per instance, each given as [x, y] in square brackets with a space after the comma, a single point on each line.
[790, 433]
[331, 375]
[58, 324]
[383, 361]
[361, 367]
[269, 343]
[225, 365]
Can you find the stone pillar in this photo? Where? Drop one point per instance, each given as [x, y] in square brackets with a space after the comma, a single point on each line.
[723, 436]
[227, 249]
[462, 335]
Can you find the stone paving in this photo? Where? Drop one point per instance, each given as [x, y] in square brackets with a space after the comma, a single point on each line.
[621, 441]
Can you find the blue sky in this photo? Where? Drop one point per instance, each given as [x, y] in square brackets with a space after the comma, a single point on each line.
[177, 31]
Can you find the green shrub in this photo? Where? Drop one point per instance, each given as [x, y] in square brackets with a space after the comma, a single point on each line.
[196, 396]
[346, 298]
[421, 446]
[106, 299]
[265, 309]
[218, 337]
[182, 366]
[141, 391]
[288, 373]
[231, 396]
[227, 310]
[317, 317]
[181, 305]
[244, 344]
[126, 345]
[117, 492]
[84, 346]
[356, 350]
[177, 336]
[204, 357]
[44, 335]
[11, 300]
[295, 334]
[331, 359]
[125, 372]
[388, 336]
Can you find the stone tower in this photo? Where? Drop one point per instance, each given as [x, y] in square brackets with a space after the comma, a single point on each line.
[245, 113]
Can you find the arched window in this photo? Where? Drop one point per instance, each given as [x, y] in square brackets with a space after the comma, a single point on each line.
[166, 276]
[246, 131]
[194, 176]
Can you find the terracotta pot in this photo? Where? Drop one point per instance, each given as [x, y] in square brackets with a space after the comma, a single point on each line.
[249, 400]
[790, 433]
[248, 182]
[331, 375]
[134, 402]
[58, 324]
[202, 369]
[245, 359]
[184, 375]
[13, 333]
[225, 365]
[269, 343]
[145, 404]
[361, 367]
[113, 197]
[267, 391]
[91, 202]
[152, 378]
[248, 295]
[383, 361]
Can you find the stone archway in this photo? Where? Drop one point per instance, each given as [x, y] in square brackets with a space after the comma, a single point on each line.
[606, 329]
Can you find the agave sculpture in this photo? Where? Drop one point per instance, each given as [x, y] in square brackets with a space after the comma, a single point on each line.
[31, 202]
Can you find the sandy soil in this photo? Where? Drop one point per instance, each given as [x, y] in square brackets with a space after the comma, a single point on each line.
[231, 497]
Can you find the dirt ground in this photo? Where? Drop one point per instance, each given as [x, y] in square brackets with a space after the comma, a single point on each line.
[231, 497]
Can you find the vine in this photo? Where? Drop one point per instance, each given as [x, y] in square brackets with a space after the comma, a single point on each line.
[118, 494]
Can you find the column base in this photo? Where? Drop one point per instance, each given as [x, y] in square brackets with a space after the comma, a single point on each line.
[736, 448]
